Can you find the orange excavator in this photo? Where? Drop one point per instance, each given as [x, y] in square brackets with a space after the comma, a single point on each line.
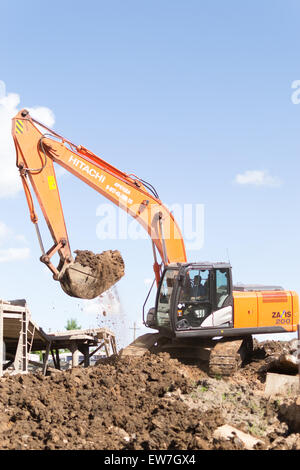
[195, 302]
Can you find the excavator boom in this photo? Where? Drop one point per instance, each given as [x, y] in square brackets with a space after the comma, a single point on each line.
[36, 154]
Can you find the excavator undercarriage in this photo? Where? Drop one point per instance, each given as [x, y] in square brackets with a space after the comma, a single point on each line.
[219, 357]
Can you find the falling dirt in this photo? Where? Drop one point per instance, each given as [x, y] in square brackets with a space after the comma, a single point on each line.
[92, 274]
[150, 402]
[117, 324]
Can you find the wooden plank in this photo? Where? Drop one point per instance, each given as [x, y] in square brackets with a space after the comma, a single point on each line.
[57, 358]
[45, 365]
[113, 345]
[13, 308]
[93, 352]
[15, 316]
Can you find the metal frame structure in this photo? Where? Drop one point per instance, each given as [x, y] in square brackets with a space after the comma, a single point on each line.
[80, 341]
[19, 336]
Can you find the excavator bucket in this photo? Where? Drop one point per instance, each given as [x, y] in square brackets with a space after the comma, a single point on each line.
[90, 275]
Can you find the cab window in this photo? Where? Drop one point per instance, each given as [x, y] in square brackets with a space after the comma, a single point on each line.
[196, 286]
[222, 286]
[164, 298]
[194, 299]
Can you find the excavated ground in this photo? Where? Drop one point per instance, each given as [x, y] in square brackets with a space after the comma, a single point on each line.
[151, 402]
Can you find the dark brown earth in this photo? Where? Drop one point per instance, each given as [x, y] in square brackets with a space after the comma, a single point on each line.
[92, 274]
[151, 402]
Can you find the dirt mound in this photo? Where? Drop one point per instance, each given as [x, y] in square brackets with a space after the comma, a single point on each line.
[276, 348]
[150, 402]
[123, 404]
[92, 274]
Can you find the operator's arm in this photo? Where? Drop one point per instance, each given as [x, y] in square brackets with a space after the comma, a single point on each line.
[36, 153]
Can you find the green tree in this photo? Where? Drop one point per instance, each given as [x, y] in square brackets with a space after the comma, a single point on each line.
[72, 324]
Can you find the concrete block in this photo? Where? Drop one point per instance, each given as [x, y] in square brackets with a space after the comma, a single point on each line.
[229, 432]
[281, 384]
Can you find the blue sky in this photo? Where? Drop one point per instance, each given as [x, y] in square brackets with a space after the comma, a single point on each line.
[185, 94]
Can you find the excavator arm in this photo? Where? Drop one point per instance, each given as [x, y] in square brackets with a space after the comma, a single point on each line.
[38, 148]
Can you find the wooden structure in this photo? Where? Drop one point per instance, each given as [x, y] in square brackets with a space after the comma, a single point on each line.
[19, 336]
[80, 341]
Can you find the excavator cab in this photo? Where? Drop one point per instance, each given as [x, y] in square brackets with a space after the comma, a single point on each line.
[193, 296]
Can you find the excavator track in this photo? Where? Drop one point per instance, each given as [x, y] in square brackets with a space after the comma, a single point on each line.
[227, 356]
[224, 357]
[141, 345]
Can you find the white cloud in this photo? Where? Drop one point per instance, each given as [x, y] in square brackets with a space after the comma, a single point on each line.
[20, 238]
[14, 254]
[10, 183]
[5, 232]
[2, 89]
[42, 114]
[257, 178]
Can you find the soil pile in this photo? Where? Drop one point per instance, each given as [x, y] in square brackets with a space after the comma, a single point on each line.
[92, 274]
[150, 402]
[121, 404]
